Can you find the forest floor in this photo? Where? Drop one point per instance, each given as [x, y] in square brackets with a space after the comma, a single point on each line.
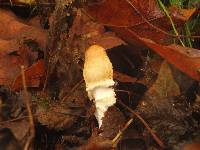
[153, 48]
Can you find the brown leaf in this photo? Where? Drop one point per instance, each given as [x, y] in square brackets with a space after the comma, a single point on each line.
[107, 40]
[35, 22]
[185, 59]
[13, 55]
[92, 33]
[121, 14]
[9, 68]
[192, 146]
[96, 143]
[12, 28]
[165, 85]
[19, 128]
[143, 17]
[8, 46]
[33, 75]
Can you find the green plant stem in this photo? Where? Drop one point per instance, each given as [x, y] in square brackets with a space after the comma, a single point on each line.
[188, 33]
[171, 21]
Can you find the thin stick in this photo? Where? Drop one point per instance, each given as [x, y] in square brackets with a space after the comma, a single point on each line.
[15, 119]
[25, 5]
[118, 136]
[72, 90]
[27, 102]
[46, 77]
[160, 143]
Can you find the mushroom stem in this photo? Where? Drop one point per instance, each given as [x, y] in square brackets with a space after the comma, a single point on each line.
[104, 98]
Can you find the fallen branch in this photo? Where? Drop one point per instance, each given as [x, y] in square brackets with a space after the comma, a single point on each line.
[118, 136]
[13, 120]
[27, 102]
[159, 142]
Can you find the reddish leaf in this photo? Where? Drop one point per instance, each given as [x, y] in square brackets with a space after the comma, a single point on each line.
[107, 40]
[184, 58]
[98, 145]
[192, 146]
[11, 27]
[9, 68]
[85, 32]
[121, 14]
[33, 75]
[143, 17]
[8, 46]
[13, 54]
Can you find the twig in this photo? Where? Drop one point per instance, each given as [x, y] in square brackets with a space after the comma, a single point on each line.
[72, 90]
[118, 136]
[18, 4]
[27, 102]
[15, 119]
[46, 77]
[160, 143]
[124, 91]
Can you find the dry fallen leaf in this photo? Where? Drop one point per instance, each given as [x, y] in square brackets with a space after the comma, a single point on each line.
[192, 146]
[165, 85]
[19, 128]
[185, 59]
[92, 33]
[13, 28]
[34, 76]
[145, 18]
[9, 68]
[8, 46]
[11, 60]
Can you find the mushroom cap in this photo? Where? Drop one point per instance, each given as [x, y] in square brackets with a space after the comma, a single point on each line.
[98, 70]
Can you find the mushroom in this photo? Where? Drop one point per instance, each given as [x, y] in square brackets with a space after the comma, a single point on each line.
[98, 76]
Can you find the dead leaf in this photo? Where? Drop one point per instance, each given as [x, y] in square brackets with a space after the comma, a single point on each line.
[120, 13]
[19, 128]
[107, 40]
[185, 59]
[11, 60]
[8, 140]
[143, 17]
[12, 28]
[8, 46]
[91, 33]
[97, 143]
[34, 76]
[35, 21]
[165, 84]
[9, 68]
[192, 146]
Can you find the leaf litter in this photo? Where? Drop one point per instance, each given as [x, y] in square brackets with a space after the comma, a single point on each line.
[163, 92]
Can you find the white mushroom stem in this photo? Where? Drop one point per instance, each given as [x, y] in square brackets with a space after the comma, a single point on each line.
[104, 98]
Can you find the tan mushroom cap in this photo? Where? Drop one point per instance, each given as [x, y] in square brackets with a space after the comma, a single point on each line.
[98, 70]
